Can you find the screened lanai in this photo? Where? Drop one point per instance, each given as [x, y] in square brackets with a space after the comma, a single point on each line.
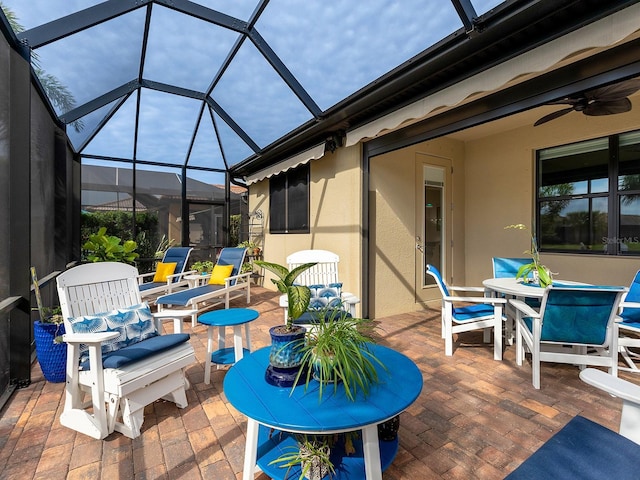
[178, 106]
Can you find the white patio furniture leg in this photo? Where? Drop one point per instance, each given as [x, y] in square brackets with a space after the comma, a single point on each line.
[237, 343]
[251, 450]
[535, 353]
[448, 331]
[497, 332]
[371, 452]
[207, 360]
[247, 335]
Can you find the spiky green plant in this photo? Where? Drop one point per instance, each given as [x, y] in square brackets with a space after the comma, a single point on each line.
[298, 296]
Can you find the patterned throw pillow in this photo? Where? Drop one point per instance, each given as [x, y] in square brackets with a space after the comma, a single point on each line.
[325, 296]
[134, 324]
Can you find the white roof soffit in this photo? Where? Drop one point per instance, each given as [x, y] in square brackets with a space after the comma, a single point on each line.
[603, 33]
[292, 162]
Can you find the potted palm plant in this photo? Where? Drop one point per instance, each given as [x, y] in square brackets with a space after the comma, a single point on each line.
[285, 356]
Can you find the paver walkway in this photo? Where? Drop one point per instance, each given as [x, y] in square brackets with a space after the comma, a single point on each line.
[475, 419]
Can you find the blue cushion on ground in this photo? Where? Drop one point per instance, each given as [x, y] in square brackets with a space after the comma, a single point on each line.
[585, 450]
[183, 297]
[140, 350]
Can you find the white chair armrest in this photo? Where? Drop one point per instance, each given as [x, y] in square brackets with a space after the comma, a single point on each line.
[613, 385]
[467, 289]
[237, 278]
[349, 298]
[629, 304]
[89, 338]
[142, 276]
[526, 310]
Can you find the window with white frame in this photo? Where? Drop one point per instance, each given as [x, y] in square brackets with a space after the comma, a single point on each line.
[289, 201]
[588, 196]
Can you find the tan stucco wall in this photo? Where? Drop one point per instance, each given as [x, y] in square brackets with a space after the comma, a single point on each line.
[503, 193]
[492, 186]
[393, 224]
[335, 215]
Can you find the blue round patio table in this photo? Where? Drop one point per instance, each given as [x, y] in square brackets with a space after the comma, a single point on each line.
[228, 317]
[290, 411]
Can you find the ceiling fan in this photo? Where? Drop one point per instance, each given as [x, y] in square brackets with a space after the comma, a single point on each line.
[607, 100]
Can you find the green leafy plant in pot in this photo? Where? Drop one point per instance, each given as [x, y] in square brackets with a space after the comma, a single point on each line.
[337, 350]
[285, 356]
[312, 454]
[540, 273]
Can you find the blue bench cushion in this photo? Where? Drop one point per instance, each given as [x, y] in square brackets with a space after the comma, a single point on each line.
[183, 297]
[134, 324]
[585, 450]
[140, 350]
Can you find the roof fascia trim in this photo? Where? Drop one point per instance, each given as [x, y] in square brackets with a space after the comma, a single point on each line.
[603, 33]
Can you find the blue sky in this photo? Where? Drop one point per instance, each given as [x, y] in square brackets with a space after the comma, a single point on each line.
[332, 48]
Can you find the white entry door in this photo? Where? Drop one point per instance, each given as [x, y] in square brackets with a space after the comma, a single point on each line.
[433, 222]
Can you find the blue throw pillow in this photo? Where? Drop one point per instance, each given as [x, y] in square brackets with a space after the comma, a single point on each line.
[134, 324]
[323, 296]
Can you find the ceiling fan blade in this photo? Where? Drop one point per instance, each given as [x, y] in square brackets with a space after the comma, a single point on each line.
[553, 116]
[615, 91]
[608, 107]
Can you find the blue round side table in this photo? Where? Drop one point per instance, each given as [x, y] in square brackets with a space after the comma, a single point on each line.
[230, 317]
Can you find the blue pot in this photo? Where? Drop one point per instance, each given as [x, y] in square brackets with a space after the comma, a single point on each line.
[52, 356]
[285, 347]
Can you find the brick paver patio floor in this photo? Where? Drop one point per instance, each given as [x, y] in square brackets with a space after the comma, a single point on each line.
[475, 419]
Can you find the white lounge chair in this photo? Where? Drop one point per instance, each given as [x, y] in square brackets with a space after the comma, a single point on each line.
[202, 298]
[163, 284]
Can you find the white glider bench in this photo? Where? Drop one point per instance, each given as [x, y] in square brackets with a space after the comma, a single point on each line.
[116, 354]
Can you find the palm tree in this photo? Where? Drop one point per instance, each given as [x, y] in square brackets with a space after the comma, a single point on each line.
[58, 93]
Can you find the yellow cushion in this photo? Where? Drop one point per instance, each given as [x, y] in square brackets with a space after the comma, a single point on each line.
[220, 273]
[163, 270]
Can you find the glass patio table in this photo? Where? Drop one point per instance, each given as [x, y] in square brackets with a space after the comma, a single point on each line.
[275, 413]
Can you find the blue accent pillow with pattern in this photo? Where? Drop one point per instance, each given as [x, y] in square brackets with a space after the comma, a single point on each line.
[134, 324]
[322, 296]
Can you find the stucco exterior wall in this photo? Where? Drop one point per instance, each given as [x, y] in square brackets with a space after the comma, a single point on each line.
[504, 193]
[335, 216]
[394, 227]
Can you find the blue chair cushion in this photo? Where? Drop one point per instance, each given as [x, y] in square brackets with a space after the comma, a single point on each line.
[134, 324]
[311, 317]
[140, 350]
[472, 312]
[585, 450]
[183, 297]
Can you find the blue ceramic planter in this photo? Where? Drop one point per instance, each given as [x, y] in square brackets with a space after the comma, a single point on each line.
[52, 356]
[285, 356]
